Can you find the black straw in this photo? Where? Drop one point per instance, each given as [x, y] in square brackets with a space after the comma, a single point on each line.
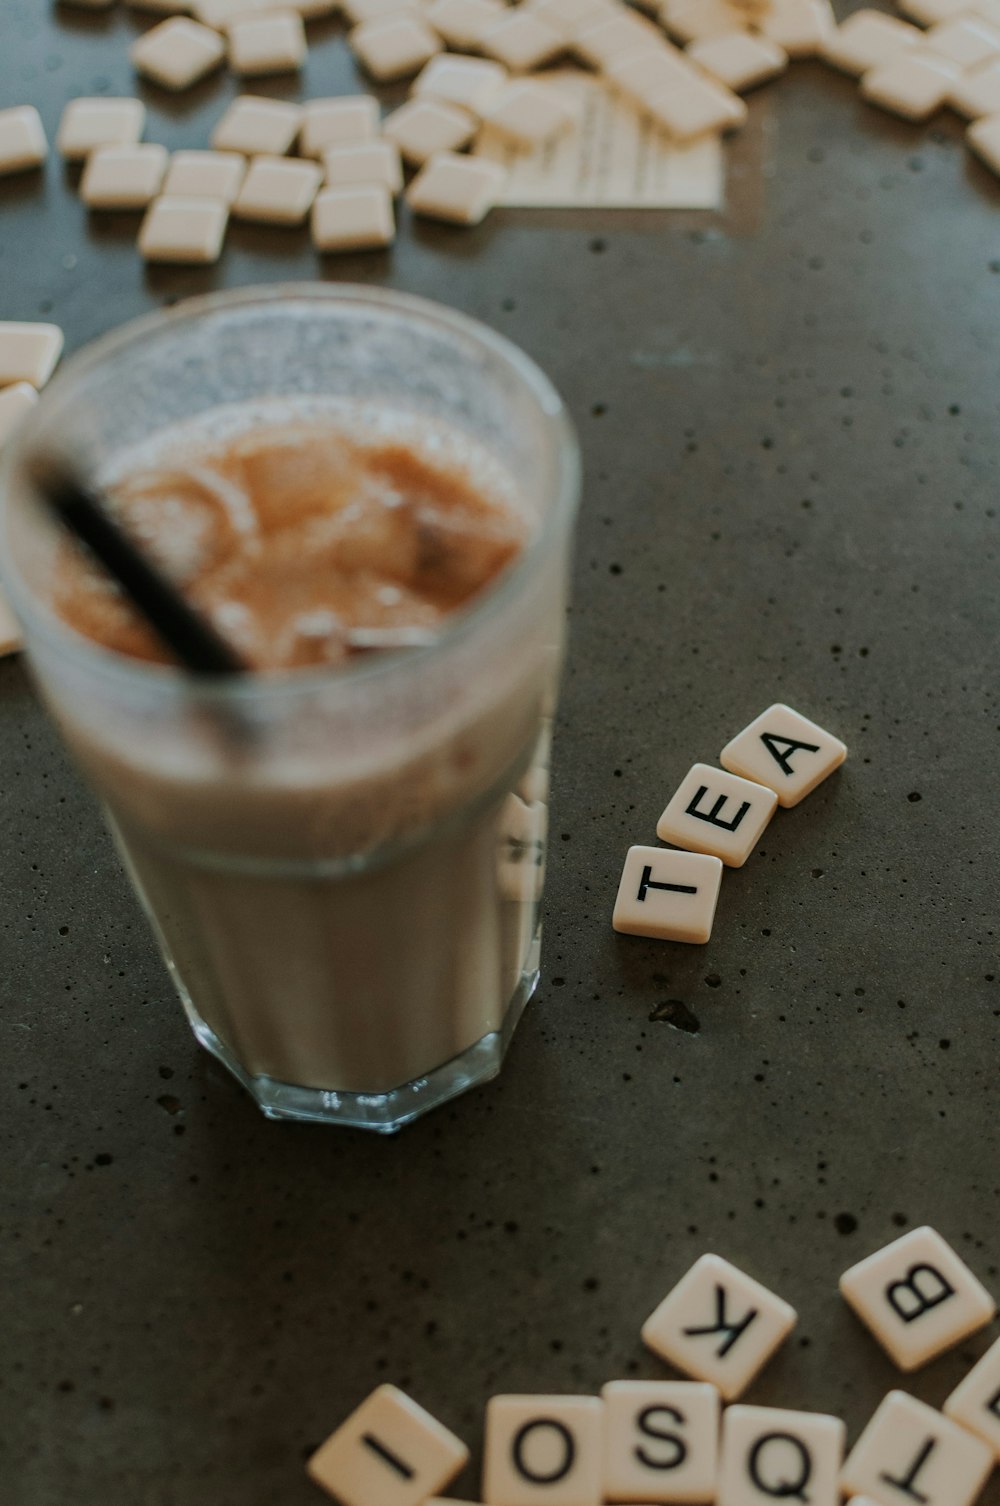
[190, 637]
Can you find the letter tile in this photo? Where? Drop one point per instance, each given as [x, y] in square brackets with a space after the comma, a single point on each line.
[917, 1297]
[718, 813]
[184, 230]
[364, 162]
[661, 1441]
[913, 86]
[522, 41]
[90, 123]
[177, 53]
[965, 40]
[204, 175]
[389, 1450]
[975, 1403]
[543, 1451]
[801, 27]
[354, 217]
[394, 46]
[462, 23]
[421, 128]
[785, 751]
[16, 403]
[868, 38]
[977, 93]
[459, 190]
[343, 121]
[123, 177]
[739, 60]
[669, 896]
[770, 1454]
[253, 125]
[719, 1325]
[22, 140]
[28, 352]
[273, 43]
[278, 191]
[470, 83]
[909, 1455]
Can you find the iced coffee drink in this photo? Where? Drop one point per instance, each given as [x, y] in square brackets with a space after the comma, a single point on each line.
[341, 852]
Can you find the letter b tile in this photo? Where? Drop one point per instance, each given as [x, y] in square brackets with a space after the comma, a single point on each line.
[543, 1451]
[785, 751]
[719, 1325]
[769, 1454]
[717, 813]
[917, 1297]
[389, 1450]
[661, 1441]
[909, 1455]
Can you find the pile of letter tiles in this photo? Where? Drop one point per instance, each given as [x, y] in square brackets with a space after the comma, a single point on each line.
[683, 63]
[715, 818]
[666, 1441]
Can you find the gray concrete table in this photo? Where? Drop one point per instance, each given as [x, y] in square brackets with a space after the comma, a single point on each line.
[789, 414]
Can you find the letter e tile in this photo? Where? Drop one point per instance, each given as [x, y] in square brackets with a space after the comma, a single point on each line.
[717, 813]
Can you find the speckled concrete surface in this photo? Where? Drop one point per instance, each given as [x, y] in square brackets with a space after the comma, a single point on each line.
[789, 414]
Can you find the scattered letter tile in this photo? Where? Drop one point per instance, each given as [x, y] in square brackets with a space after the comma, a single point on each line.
[255, 126]
[769, 1454]
[353, 219]
[184, 230]
[15, 402]
[423, 127]
[529, 112]
[22, 139]
[910, 1454]
[661, 1441]
[670, 896]
[278, 191]
[267, 44]
[606, 38]
[470, 83]
[965, 40]
[366, 162]
[29, 352]
[739, 60]
[204, 175]
[522, 41]
[462, 22]
[717, 812]
[912, 85]
[543, 1451]
[459, 190]
[719, 1325]
[123, 177]
[867, 39]
[917, 1297]
[178, 53]
[90, 123]
[785, 751]
[338, 122]
[698, 20]
[389, 1450]
[696, 107]
[801, 27]
[977, 93]
[975, 1403]
[394, 48]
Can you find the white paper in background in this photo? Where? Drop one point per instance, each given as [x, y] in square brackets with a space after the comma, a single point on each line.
[616, 159]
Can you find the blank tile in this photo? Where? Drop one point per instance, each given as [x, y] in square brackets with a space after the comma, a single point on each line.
[696, 107]
[717, 812]
[740, 60]
[618, 35]
[521, 836]
[784, 750]
[570, 16]
[867, 39]
[22, 139]
[719, 1325]
[647, 75]
[965, 40]
[366, 162]
[255, 126]
[910, 1454]
[529, 112]
[698, 20]
[340, 121]
[10, 629]
[917, 1297]
[395, 48]
[771, 1454]
[661, 1441]
[204, 175]
[353, 219]
[462, 22]
[977, 93]
[267, 44]
[389, 1450]
[522, 41]
[178, 53]
[183, 231]
[669, 896]
[975, 1402]
[123, 177]
[543, 1451]
[278, 191]
[16, 402]
[983, 136]
[470, 83]
[89, 123]
[28, 352]
[914, 85]
[423, 127]
[801, 27]
[459, 190]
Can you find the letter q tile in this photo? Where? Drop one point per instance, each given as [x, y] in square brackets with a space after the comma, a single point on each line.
[661, 1441]
[909, 1455]
[389, 1450]
[717, 813]
[917, 1297]
[543, 1451]
[771, 1454]
[719, 1325]
[785, 751]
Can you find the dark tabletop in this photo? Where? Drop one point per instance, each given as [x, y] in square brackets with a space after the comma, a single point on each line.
[789, 413]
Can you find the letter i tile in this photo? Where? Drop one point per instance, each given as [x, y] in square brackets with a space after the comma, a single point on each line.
[389, 1450]
[543, 1451]
[717, 813]
[719, 1325]
[770, 1454]
[909, 1455]
[917, 1297]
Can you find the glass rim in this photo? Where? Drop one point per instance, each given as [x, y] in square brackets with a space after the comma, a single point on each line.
[147, 676]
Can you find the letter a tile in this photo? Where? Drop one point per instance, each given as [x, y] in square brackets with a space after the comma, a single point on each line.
[785, 751]
[975, 1404]
[719, 1325]
[717, 813]
[770, 1454]
[917, 1297]
[661, 1441]
[543, 1451]
[389, 1450]
[909, 1455]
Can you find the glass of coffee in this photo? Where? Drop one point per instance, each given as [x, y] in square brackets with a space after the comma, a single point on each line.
[342, 852]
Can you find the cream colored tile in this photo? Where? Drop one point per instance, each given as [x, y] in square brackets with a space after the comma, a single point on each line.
[359, 12]
[358, 218]
[273, 43]
[917, 1297]
[186, 231]
[204, 175]
[965, 40]
[462, 23]
[669, 896]
[739, 59]
[616, 36]
[16, 402]
[221, 14]
[661, 1441]
[914, 85]
[801, 27]
[123, 177]
[910, 1454]
[28, 352]
[930, 12]
[423, 127]
[522, 40]
[342, 121]
[257, 126]
[696, 107]
[459, 190]
[977, 93]
[719, 1325]
[771, 1454]
[784, 750]
[22, 140]
[394, 48]
[868, 39]
[528, 112]
[278, 191]
[975, 1402]
[470, 83]
[698, 20]
[178, 53]
[90, 123]
[365, 162]
[983, 136]
[543, 1451]
[717, 812]
[389, 1451]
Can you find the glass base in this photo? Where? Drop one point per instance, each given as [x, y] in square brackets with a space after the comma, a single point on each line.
[383, 1112]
